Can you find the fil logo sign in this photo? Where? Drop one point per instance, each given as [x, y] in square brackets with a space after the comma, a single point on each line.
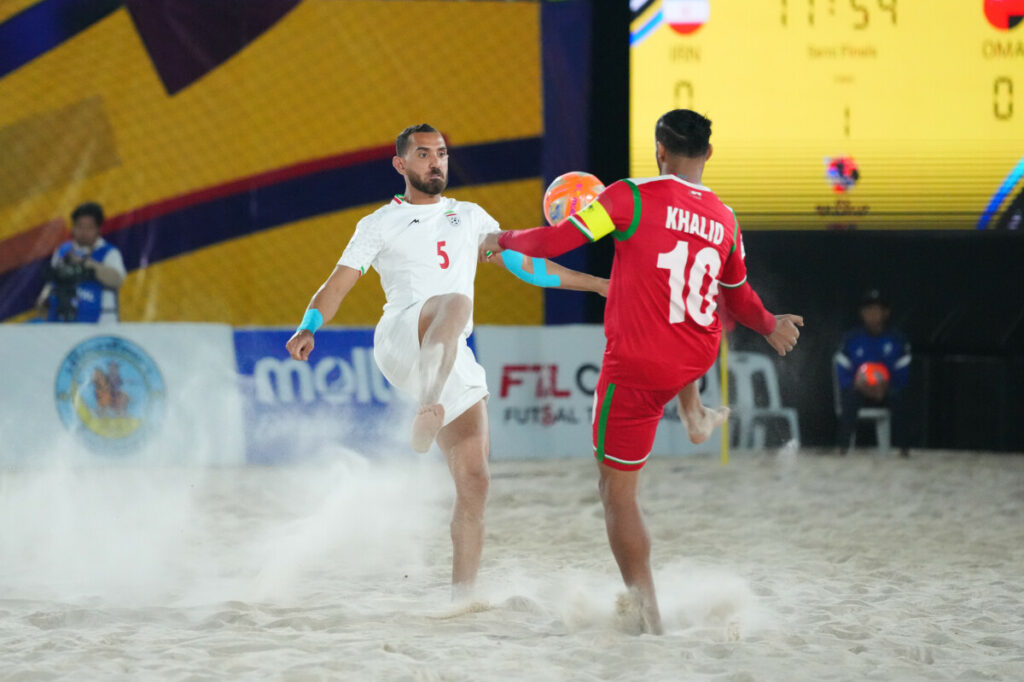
[536, 394]
[542, 380]
[1004, 14]
[686, 16]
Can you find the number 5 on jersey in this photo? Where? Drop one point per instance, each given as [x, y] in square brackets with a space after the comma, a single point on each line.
[445, 262]
[701, 307]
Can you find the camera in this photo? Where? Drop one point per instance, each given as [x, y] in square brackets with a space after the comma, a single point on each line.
[65, 276]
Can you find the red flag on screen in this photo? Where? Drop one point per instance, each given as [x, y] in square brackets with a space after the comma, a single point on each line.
[686, 16]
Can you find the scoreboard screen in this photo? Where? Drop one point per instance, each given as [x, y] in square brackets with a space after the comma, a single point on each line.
[838, 114]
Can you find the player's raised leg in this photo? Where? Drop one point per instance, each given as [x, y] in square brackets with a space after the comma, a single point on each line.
[441, 322]
[630, 542]
[466, 447]
[699, 420]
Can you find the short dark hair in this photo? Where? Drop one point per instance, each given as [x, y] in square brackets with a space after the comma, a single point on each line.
[684, 133]
[874, 296]
[402, 141]
[89, 209]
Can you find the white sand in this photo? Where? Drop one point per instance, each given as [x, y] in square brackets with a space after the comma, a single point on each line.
[798, 567]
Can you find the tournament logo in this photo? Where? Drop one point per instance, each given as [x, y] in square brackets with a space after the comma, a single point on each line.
[842, 173]
[1004, 14]
[452, 218]
[110, 394]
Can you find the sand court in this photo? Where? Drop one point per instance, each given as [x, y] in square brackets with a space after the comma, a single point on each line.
[777, 567]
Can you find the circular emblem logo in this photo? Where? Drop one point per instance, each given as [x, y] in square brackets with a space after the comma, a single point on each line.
[110, 394]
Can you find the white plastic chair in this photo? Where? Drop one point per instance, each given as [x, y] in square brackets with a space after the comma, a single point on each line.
[881, 416]
[753, 418]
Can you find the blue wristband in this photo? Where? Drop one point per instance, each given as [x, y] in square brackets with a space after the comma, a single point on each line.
[539, 277]
[312, 320]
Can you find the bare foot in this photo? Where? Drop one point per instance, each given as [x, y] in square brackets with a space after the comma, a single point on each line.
[462, 592]
[628, 616]
[699, 425]
[634, 615]
[428, 422]
[652, 621]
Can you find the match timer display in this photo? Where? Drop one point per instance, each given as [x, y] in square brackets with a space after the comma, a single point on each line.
[839, 114]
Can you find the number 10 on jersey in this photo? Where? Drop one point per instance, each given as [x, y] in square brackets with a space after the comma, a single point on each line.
[701, 307]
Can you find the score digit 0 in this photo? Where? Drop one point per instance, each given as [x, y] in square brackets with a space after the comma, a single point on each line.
[681, 88]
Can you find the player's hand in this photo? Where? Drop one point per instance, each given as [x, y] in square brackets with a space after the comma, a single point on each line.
[490, 244]
[300, 345]
[601, 287]
[783, 337]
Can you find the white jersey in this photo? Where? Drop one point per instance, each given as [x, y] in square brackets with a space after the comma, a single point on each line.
[420, 250]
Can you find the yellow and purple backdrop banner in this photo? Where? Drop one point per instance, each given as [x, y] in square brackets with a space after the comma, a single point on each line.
[234, 145]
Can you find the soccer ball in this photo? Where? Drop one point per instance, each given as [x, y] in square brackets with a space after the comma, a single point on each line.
[568, 193]
[872, 374]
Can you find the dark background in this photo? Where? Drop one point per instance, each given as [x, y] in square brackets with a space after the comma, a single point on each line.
[957, 295]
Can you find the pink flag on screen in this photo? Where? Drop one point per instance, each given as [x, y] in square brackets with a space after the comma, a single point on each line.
[686, 16]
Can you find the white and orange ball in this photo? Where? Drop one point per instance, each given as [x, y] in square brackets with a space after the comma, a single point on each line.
[568, 193]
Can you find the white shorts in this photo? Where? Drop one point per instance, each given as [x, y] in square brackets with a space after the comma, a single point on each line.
[396, 348]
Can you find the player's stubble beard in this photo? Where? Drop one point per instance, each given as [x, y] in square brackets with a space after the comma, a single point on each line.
[433, 184]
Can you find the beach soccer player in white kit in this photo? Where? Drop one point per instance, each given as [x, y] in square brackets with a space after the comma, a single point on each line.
[426, 248]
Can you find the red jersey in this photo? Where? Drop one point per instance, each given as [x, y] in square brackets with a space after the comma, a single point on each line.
[676, 243]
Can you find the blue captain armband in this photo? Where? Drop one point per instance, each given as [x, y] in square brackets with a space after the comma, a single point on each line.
[312, 320]
[539, 277]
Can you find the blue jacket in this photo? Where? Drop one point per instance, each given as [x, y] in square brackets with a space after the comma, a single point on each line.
[88, 301]
[889, 348]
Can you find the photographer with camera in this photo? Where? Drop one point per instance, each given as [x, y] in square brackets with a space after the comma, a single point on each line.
[85, 273]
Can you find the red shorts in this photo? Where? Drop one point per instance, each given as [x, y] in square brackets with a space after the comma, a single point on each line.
[625, 422]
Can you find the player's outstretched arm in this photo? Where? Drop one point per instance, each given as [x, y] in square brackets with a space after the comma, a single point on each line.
[612, 210]
[545, 273]
[575, 280]
[323, 306]
[541, 242]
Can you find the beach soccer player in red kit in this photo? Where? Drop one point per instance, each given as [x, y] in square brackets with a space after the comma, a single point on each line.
[678, 247]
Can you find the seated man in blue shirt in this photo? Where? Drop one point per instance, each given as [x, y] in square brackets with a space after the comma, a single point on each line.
[873, 343]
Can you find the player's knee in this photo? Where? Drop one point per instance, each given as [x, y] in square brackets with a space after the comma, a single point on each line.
[615, 491]
[477, 481]
[458, 305]
[472, 478]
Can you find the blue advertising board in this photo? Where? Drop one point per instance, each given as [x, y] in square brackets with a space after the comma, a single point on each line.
[301, 410]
